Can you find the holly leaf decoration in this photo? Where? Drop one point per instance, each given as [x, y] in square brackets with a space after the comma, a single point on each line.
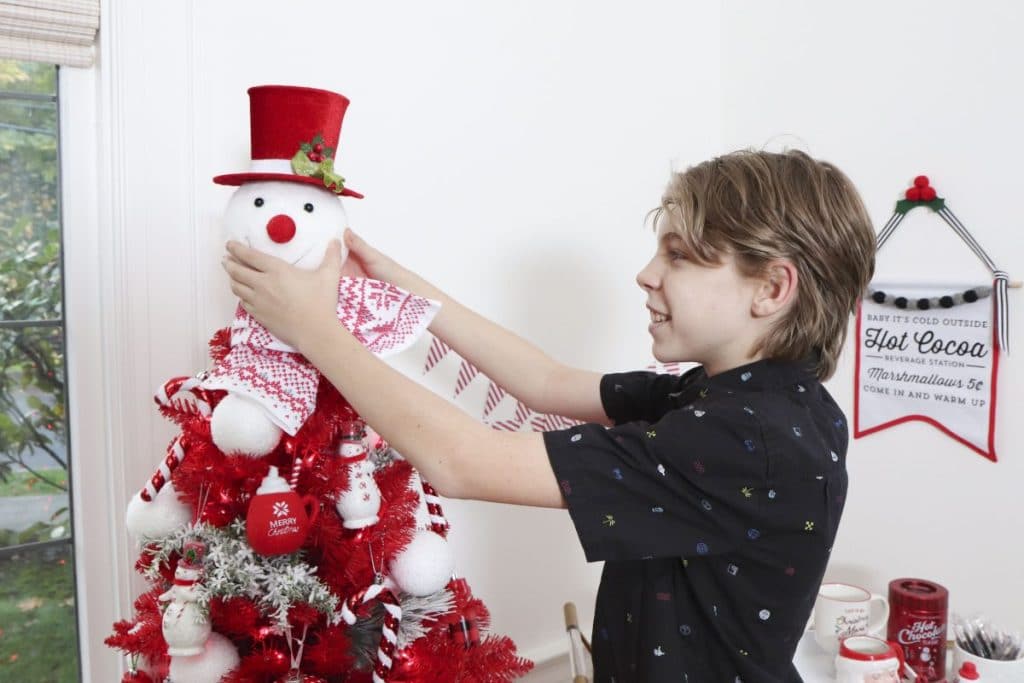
[332, 180]
[323, 170]
[302, 165]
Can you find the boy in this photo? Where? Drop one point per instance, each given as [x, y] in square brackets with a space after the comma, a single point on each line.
[715, 498]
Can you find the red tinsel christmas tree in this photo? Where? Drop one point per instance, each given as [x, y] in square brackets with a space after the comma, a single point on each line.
[318, 602]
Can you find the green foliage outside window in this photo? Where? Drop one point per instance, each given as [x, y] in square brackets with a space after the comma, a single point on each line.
[38, 634]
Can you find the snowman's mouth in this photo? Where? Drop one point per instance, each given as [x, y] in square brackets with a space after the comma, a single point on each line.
[303, 254]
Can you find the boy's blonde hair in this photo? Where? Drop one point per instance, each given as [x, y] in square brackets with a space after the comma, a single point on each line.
[763, 206]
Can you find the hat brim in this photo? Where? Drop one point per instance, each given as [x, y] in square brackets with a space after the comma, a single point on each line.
[242, 178]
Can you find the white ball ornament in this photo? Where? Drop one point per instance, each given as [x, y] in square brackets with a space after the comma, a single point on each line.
[219, 656]
[239, 425]
[160, 517]
[425, 566]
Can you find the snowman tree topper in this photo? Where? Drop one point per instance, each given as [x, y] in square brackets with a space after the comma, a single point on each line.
[288, 205]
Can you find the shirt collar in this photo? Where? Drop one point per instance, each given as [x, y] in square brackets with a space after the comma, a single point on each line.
[761, 374]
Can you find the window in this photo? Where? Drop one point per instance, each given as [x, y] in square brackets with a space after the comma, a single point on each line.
[38, 631]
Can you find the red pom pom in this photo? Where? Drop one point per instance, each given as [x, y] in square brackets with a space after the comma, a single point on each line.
[921, 181]
[928, 193]
[914, 194]
[136, 677]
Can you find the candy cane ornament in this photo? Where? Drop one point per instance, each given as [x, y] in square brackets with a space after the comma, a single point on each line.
[175, 454]
[185, 395]
[438, 522]
[389, 630]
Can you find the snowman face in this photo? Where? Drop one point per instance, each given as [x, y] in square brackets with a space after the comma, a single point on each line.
[292, 221]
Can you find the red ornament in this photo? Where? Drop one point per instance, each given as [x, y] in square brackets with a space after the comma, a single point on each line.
[465, 632]
[299, 677]
[928, 194]
[217, 514]
[921, 181]
[279, 519]
[914, 194]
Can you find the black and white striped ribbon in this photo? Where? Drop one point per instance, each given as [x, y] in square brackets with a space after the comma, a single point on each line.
[888, 229]
[1001, 277]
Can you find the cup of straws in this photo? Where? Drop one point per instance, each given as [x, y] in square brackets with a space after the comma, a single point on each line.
[997, 654]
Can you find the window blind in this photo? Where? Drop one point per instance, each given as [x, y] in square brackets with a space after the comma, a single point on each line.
[54, 31]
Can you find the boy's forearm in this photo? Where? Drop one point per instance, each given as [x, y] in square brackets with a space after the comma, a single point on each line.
[459, 456]
[519, 367]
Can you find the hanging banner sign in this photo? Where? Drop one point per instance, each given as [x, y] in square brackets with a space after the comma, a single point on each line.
[928, 354]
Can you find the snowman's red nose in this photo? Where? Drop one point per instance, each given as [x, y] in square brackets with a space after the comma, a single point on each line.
[281, 228]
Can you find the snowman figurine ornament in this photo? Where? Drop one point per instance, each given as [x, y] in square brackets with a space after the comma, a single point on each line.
[288, 205]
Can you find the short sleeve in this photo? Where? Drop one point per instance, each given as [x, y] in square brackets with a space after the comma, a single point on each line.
[629, 396]
[688, 484]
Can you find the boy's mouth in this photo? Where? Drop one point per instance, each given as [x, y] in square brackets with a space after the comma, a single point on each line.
[658, 316]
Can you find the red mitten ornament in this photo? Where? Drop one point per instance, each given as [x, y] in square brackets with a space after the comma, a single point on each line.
[279, 519]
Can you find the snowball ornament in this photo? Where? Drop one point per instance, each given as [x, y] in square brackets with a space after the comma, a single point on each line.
[240, 425]
[218, 657]
[425, 566]
[159, 517]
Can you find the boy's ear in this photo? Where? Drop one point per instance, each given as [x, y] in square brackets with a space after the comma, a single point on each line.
[777, 288]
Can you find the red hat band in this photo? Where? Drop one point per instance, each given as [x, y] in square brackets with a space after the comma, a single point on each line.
[282, 119]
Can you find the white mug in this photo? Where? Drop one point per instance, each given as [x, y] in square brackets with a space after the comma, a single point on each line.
[842, 610]
[865, 659]
[994, 670]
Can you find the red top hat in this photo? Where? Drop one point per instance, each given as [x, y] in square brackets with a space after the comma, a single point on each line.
[284, 120]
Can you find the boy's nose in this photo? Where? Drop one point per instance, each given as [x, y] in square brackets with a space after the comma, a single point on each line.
[646, 278]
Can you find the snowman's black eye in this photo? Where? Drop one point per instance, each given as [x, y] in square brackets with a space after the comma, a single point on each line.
[308, 207]
[259, 201]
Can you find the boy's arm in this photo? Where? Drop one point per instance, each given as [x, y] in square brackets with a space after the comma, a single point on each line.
[529, 374]
[458, 455]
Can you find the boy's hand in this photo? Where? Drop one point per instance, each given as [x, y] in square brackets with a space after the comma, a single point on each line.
[365, 261]
[290, 302]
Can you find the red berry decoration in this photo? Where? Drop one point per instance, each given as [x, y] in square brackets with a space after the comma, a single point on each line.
[914, 194]
[318, 148]
[928, 194]
[921, 181]
[311, 156]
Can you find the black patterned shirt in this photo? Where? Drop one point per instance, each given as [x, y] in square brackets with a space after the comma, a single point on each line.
[714, 503]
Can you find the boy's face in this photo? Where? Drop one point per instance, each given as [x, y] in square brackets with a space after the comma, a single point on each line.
[699, 313]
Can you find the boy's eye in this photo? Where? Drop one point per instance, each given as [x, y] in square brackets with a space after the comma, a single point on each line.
[676, 255]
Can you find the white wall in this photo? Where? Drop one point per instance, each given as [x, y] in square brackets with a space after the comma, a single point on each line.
[509, 152]
[888, 91]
